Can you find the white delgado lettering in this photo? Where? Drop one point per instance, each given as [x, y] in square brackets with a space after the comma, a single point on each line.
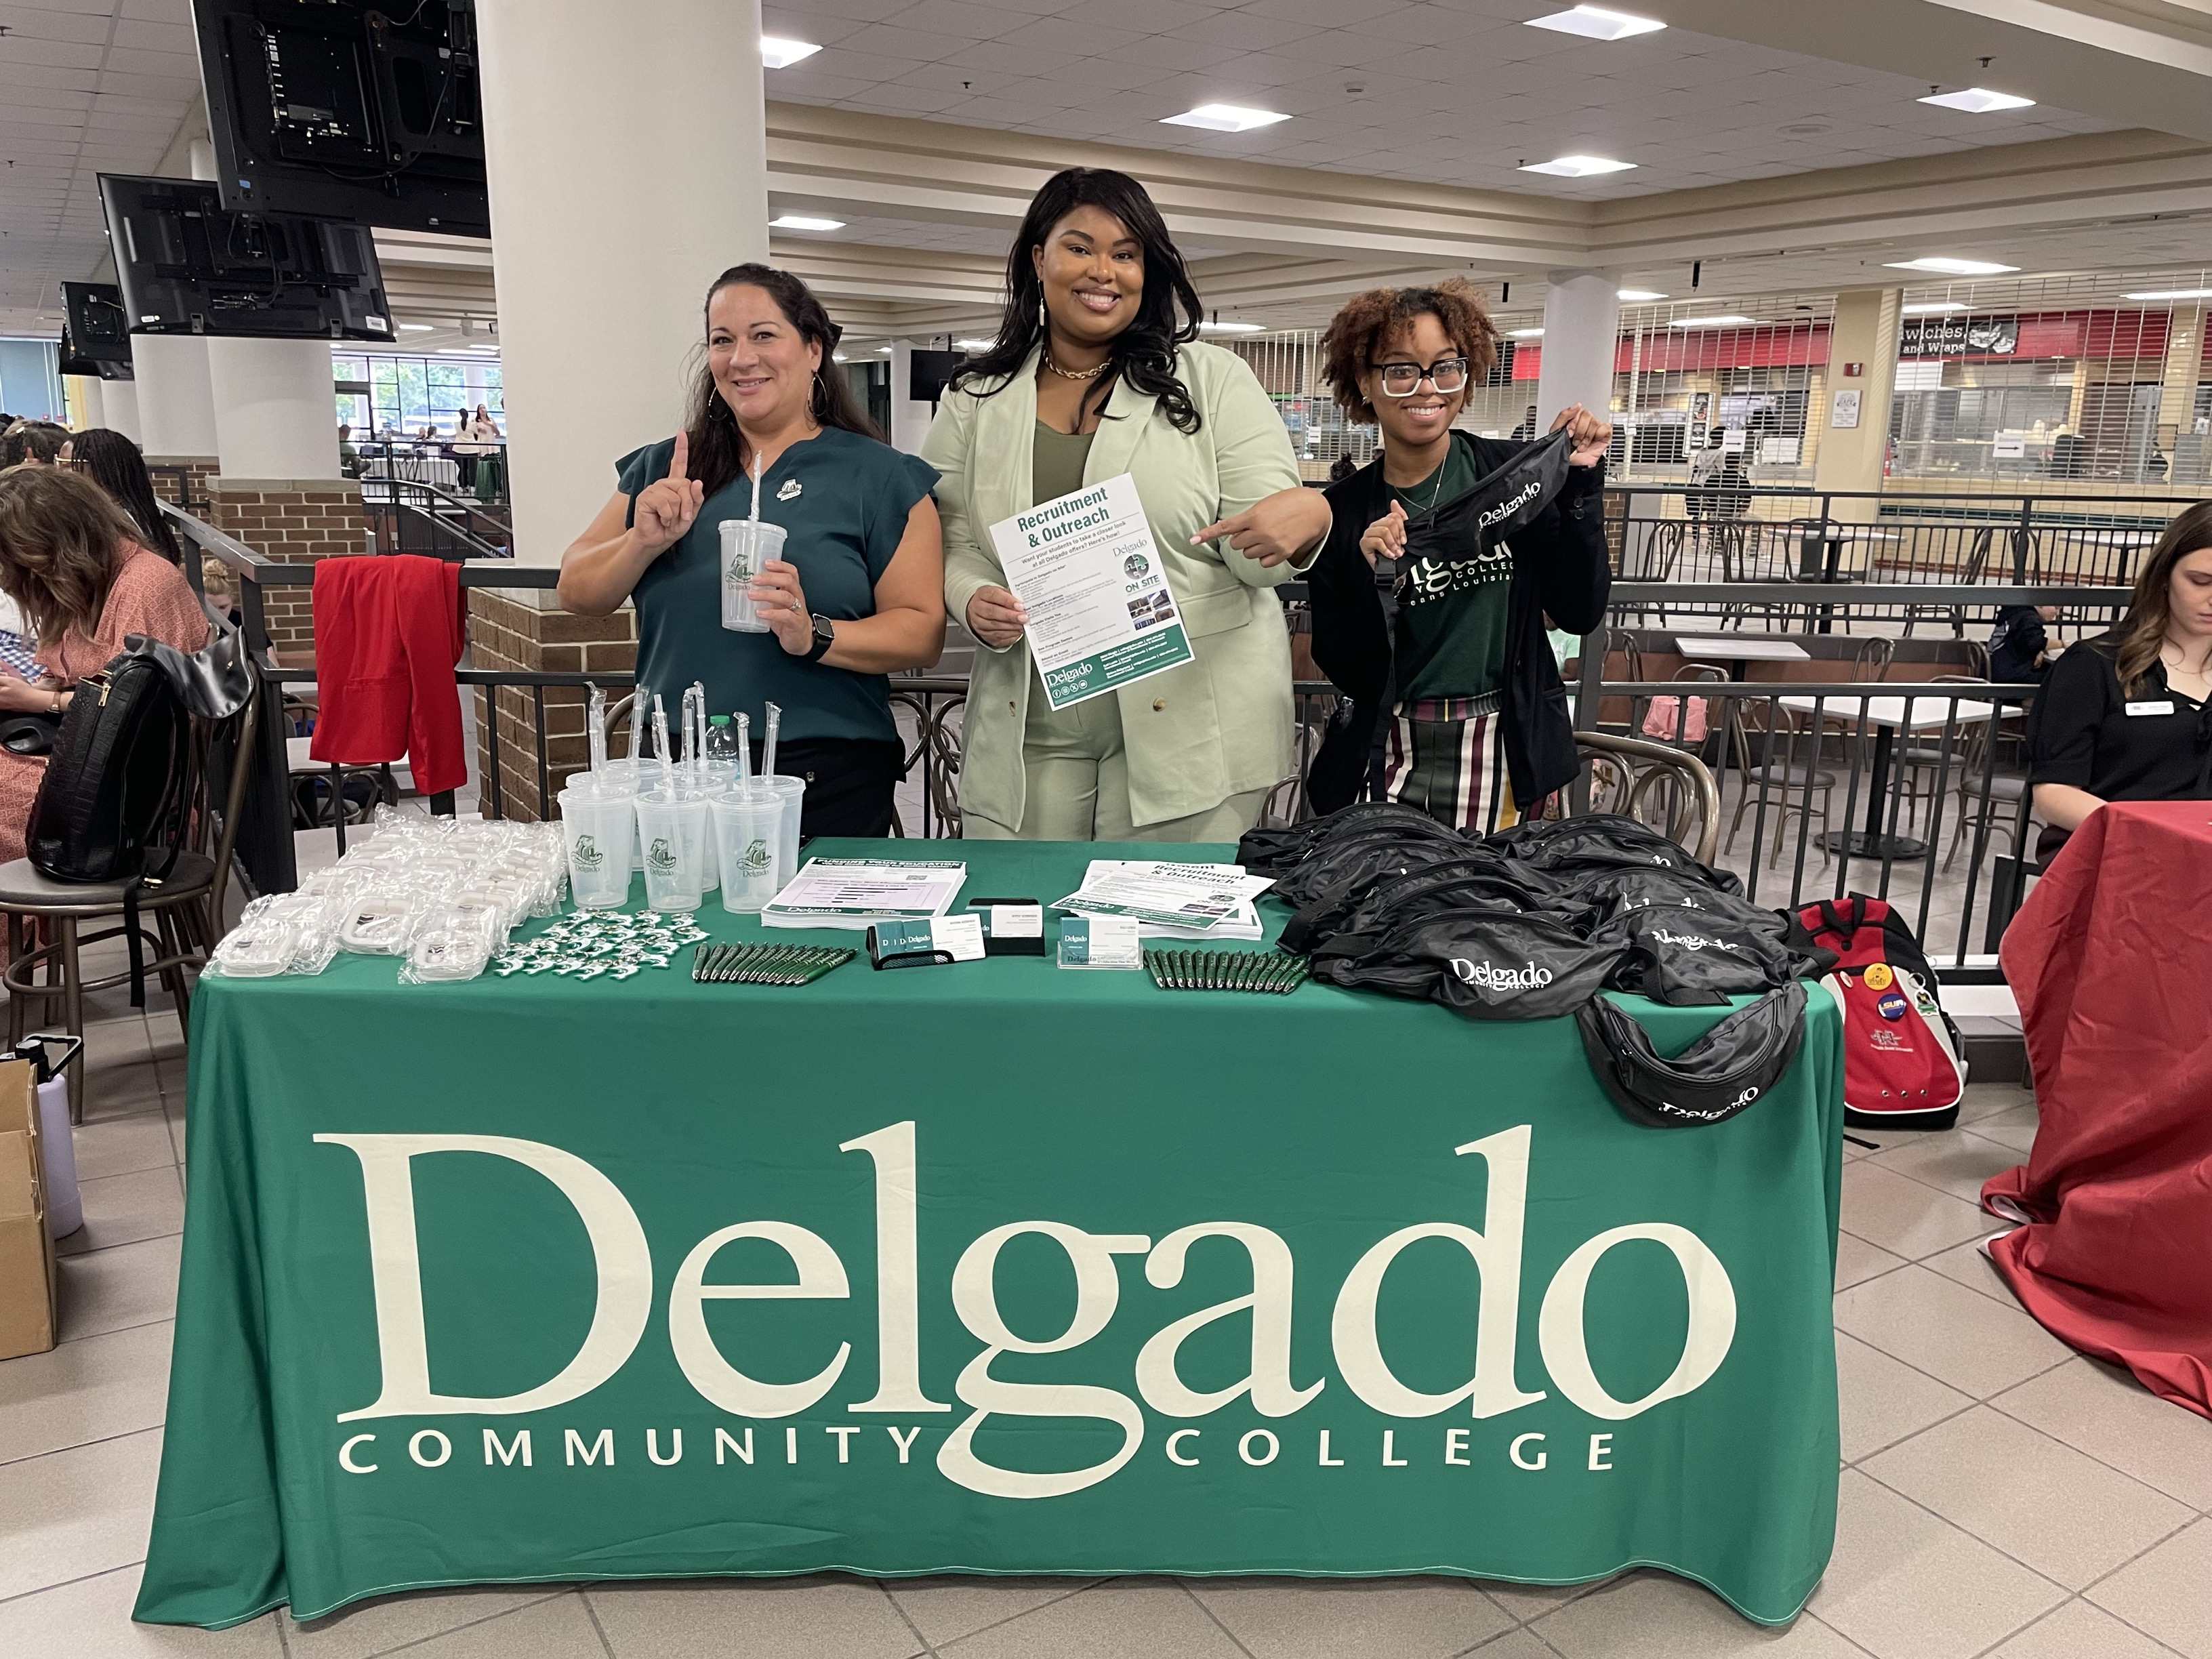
[1098, 1293]
[1268, 1382]
[1705, 1345]
[1497, 1253]
[1491, 977]
[820, 1274]
[622, 1306]
[619, 1253]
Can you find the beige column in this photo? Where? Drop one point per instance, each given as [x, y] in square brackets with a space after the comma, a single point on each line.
[626, 161]
[2177, 391]
[1849, 458]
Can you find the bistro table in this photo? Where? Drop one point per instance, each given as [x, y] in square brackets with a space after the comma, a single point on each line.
[1887, 716]
[987, 1267]
[1739, 649]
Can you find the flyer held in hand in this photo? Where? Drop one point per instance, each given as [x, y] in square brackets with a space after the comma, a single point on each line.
[1085, 570]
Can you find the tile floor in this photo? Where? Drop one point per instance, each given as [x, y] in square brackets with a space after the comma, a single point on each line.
[2002, 1496]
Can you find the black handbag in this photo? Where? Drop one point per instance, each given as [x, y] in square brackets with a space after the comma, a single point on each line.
[29, 733]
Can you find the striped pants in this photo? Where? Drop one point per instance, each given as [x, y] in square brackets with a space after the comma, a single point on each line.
[1446, 755]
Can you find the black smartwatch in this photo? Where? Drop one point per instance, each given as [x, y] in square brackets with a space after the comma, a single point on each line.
[825, 635]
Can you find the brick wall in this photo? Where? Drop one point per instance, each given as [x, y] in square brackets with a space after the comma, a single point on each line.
[509, 632]
[197, 471]
[296, 521]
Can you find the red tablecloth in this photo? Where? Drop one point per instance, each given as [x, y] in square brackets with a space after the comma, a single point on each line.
[2111, 959]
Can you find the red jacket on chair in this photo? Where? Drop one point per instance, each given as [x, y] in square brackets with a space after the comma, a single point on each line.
[388, 635]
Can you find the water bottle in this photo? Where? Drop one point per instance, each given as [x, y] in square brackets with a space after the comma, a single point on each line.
[721, 740]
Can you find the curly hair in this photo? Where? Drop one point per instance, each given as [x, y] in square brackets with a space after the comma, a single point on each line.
[61, 540]
[1368, 320]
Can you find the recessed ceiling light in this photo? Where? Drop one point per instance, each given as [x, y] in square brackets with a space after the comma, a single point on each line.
[804, 222]
[1638, 294]
[1229, 328]
[1578, 167]
[416, 328]
[1596, 23]
[884, 350]
[1524, 334]
[1225, 117]
[975, 345]
[1978, 101]
[1945, 267]
[1730, 319]
[778, 51]
[2173, 294]
[1934, 307]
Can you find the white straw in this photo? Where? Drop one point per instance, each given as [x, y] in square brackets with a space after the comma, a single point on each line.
[755, 515]
[660, 736]
[744, 751]
[767, 744]
[595, 729]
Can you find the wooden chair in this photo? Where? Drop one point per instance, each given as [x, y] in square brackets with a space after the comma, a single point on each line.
[1790, 784]
[185, 907]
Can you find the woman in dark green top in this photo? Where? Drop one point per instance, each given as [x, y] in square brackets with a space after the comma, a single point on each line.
[858, 591]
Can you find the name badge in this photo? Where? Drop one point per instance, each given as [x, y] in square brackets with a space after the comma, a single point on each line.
[2160, 708]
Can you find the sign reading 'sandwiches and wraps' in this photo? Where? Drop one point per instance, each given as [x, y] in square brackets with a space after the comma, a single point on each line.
[1355, 1286]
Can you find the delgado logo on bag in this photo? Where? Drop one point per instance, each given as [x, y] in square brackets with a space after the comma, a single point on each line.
[1491, 977]
[1690, 941]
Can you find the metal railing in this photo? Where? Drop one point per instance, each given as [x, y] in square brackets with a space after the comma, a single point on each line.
[408, 517]
[1828, 782]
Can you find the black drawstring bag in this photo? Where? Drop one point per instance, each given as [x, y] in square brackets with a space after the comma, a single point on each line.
[1606, 840]
[1693, 957]
[1485, 963]
[1718, 1076]
[1476, 880]
[1272, 851]
[1352, 863]
[1611, 893]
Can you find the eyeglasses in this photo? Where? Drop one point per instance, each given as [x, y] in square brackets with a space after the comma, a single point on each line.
[1404, 380]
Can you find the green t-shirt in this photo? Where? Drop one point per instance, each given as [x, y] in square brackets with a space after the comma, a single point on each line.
[1451, 618]
[843, 499]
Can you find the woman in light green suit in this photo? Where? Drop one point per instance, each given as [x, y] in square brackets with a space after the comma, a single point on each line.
[1093, 374]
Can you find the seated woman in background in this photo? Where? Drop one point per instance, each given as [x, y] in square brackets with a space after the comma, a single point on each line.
[73, 563]
[2125, 716]
[119, 466]
[2019, 646]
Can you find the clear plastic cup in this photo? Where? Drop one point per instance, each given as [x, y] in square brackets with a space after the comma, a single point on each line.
[710, 869]
[747, 545]
[627, 778]
[748, 831]
[598, 828]
[791, 793]
[673, 830]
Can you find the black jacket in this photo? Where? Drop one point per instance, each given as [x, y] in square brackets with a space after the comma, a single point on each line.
[1559, 567]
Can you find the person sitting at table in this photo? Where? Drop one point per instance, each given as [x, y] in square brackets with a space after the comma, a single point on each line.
[2128, 716]
[857, 593]
[2021, 651]
[1098, 370]
[1477, 724]
[73, 565]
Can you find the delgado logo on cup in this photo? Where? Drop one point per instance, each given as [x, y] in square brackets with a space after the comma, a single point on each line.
[660, 855]
[757, 858]
[586, 852]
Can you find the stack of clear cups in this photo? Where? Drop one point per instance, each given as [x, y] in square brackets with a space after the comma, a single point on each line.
[671, 823]
[598, 827]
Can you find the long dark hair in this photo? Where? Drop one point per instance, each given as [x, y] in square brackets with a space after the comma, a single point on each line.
[119, 466]
[2143, 632]
[1143, 354]
[718, 447]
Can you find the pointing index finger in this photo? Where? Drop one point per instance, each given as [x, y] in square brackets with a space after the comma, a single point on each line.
[680, 457]
[1220, 527]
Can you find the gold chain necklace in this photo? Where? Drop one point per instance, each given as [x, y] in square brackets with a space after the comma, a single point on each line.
[1071, 375]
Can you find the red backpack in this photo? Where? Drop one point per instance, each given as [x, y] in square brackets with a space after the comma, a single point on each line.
[1904, 1064]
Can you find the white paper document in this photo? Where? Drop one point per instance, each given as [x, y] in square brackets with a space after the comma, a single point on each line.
[859, 892]
[1168, 899]
[1084, 566]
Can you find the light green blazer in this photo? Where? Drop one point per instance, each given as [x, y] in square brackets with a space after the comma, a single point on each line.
[1195, 735]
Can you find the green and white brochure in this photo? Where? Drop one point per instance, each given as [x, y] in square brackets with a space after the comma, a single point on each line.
[1086, 570]
[860, 892]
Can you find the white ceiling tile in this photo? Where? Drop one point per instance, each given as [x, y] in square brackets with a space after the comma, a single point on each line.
[910, 46]
[1068, 34]
[1156, 16]
[815, 25]
[1247, 31]
[852, 65]
[814, 88]
[39, 23]
[909, 100]
[956, 77]
[1005, 58]
[1165, 54]
[141, 36]
[29, 51]
[1320, 14]
[1427, 25]
[159, 11]
[955, 19]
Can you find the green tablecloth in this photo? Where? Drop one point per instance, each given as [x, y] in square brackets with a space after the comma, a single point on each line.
[1328, 1283]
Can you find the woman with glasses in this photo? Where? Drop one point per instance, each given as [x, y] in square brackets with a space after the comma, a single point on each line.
[1097, 371]
[1478, 731]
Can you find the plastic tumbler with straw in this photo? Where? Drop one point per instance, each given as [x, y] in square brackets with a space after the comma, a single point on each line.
[748, 544]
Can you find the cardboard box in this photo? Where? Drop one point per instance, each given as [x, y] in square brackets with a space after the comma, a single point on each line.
[27, 1315]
